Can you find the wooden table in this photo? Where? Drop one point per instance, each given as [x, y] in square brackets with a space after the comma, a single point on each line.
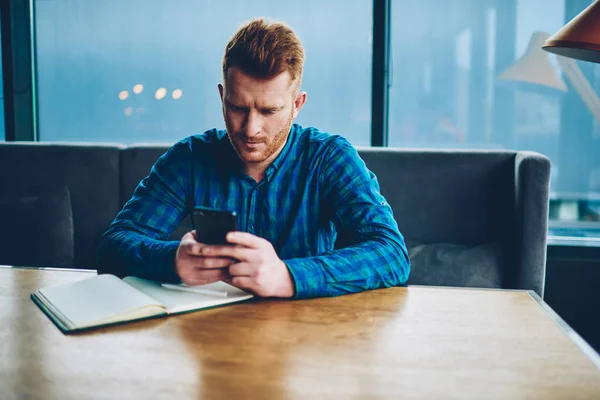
[417, 343]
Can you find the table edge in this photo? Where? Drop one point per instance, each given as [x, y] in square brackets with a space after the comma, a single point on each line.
[48, 268]
[584, 346]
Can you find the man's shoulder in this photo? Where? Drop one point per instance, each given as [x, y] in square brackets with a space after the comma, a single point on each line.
[207, 138]
[201, 141]
[325, 152]
[320, 141]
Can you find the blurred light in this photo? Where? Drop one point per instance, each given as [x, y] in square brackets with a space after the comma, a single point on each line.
[177, 93]
[128, 111]
[160, 93]
[123, 94]
[139, 88]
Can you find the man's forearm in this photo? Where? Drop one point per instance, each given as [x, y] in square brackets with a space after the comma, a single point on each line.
[368, 265]
[125, 252]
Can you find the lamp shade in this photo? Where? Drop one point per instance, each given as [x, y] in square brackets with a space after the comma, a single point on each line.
[535, 66]
[580, 38]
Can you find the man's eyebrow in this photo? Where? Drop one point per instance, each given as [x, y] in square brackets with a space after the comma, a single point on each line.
[232, 104]
[271, 108]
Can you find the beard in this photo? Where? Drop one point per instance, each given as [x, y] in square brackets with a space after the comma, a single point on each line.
[266, 146]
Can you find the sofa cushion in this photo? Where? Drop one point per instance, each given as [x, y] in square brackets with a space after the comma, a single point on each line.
[445, 264]
[36, 228]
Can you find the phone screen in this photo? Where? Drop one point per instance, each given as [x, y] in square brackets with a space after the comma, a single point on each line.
[212, 224]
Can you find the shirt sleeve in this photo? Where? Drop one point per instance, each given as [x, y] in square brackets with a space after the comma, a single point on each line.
[136, 241]
[376, 256]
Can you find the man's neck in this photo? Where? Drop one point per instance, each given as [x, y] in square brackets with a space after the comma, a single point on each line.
[257, 170]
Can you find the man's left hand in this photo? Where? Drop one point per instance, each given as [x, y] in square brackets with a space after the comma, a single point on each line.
[258, 269]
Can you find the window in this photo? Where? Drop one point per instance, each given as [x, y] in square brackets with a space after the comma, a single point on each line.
[2, 128]
[452, 88]
[147, 70]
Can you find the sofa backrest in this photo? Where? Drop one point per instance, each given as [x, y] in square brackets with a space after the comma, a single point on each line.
[90, 172]
[455, 196]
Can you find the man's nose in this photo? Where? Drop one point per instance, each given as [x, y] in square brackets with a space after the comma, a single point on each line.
[253, 124]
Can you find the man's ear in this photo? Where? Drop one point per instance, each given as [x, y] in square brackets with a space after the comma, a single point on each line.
[299, 102]
[220, 86]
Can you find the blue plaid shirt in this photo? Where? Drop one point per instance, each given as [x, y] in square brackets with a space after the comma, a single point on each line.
[316, 192]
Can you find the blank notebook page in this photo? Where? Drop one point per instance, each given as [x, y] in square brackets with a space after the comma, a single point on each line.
[96, 299]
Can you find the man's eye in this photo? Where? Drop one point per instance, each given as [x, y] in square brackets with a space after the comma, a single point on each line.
[268, 112]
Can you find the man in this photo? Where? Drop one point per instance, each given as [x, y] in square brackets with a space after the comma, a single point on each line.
[295, 191]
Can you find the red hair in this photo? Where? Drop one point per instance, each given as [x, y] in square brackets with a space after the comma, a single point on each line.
[265, 49]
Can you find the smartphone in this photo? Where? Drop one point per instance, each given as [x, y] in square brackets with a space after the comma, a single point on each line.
[212, 224]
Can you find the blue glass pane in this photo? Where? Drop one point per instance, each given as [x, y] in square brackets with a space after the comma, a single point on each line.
[460, 80]
[102, 68]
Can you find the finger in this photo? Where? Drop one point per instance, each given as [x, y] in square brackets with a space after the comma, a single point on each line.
[191, 246]
[189, 234]
[242, 282]
[203, 277]
[236, 252]
[241, 269]
[227, 279]
[245, 239]
[213, 262]
[187, 241]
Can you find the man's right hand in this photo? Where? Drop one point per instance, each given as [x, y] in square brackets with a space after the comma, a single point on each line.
[195, 269]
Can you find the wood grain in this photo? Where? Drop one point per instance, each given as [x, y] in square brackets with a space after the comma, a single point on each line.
[417, 342]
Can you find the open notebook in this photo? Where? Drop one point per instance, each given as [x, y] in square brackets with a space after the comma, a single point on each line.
[106, 300]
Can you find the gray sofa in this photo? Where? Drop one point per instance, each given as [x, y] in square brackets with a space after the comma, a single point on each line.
[470, 218]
